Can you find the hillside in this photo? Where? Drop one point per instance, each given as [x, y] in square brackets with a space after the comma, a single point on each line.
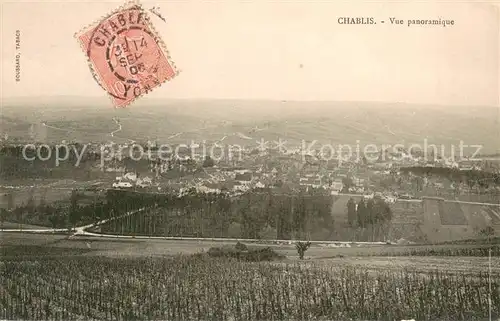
[244, 122]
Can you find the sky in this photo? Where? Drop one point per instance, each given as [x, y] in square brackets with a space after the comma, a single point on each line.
[280, 50]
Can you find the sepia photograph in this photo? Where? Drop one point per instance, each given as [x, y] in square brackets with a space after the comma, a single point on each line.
[250, 160]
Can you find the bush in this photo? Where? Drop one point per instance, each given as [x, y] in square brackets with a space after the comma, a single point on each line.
[487, 232]
[243, 253]
[241, 247]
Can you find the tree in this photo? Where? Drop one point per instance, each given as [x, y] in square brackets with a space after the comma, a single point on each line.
[382, 215]
[208, 162]
[41, 208]
[18, 212]
[3, 215]
[73, 209]
[302, 247]
[347, 182]
[362, 214]
[252, 219]
[351, 212]
[54, 220]
[369, 212]
[283, 224]
[30, 205]
[300, 215]
[10, 201]
[488, 232]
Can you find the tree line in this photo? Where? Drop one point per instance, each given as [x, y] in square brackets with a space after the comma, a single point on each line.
[58, 214]
[371, 218]
[217, 215]
[302, 215]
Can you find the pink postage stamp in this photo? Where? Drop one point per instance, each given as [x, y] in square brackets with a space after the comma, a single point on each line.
[126, 56]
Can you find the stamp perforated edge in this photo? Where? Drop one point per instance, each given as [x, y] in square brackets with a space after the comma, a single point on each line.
[160, 42]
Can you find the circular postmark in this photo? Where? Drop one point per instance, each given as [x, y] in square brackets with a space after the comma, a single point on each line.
[125, 50]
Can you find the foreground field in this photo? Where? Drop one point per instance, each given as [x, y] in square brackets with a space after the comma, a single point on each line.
[82, 278]
[198, 287]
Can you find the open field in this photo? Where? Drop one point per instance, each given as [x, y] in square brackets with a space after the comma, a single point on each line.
[372, 257]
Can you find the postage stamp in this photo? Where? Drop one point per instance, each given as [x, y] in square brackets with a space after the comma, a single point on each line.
[126, 56]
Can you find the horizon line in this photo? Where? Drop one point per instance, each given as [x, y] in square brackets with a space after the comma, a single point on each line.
[284, 101]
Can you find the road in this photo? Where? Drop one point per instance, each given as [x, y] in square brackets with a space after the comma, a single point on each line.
[77, 231]
[117, 122]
